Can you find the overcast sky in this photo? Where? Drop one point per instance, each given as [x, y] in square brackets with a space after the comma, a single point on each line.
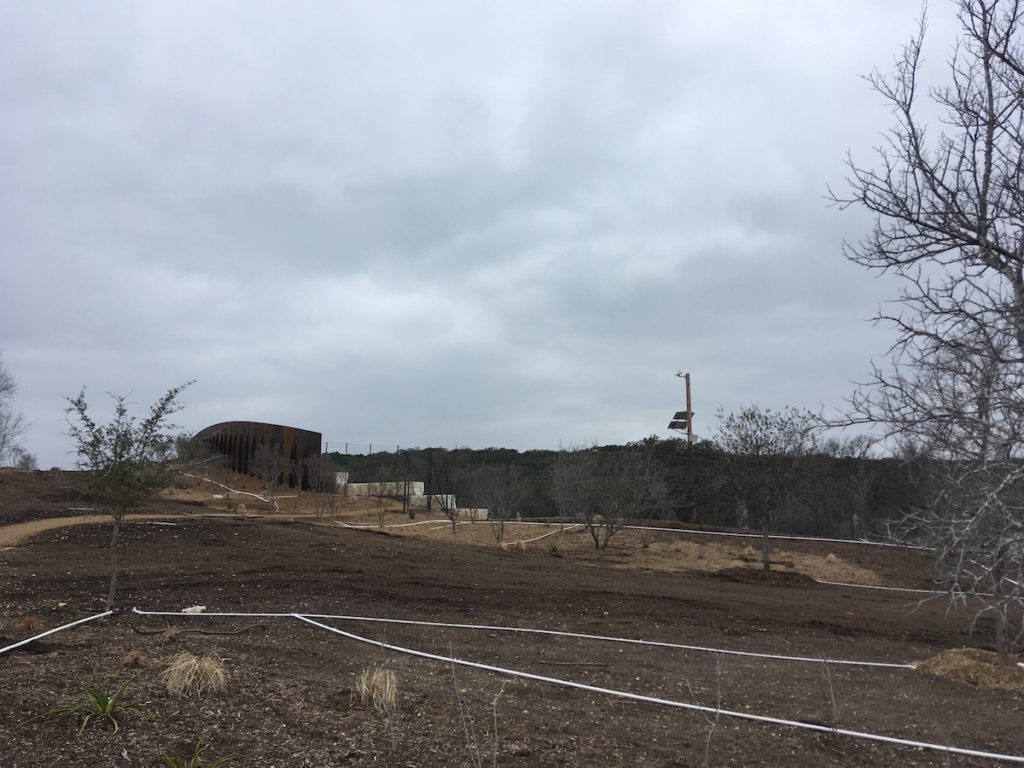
[484, 224]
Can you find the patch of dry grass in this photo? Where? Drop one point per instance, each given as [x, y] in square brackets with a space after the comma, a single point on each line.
[195, 674]
[377, 686]
[27, 626]
[975, 667]
[134, 659]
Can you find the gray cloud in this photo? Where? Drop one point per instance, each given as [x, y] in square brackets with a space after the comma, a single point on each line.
[492, 224]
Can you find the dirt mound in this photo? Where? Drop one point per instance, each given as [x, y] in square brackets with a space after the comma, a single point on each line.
[975, 667]
[761, 576]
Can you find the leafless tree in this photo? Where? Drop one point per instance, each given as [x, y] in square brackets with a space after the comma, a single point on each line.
[386, 488]
[712, 718]
[23, 459]
[605, 491]
[764, 448]
[499, 488]
[444, 475]
[322, 474]
[948, 207]
[572, 473]
[270, 465]
[126, 460]
[12, 423]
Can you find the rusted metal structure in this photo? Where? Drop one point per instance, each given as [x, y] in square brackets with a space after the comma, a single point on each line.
[237, 440]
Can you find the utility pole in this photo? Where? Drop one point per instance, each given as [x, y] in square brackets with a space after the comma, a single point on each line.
[684, 419]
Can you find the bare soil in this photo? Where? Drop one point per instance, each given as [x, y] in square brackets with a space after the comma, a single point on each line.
[289, 696]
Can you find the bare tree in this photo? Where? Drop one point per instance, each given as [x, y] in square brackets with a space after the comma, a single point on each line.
[572, 470]
[605, 491]
[386, 489]
[12, 423]
[499, 488]
[125, 460]
[23, 459]
[271, 466]
[322, 474]
[764, 448]
[443, 474]
[948, 206]
[574, 482]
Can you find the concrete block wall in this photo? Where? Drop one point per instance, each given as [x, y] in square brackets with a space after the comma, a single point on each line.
[390, 488]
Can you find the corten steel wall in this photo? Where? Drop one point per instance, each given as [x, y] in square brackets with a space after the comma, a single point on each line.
[237, 440]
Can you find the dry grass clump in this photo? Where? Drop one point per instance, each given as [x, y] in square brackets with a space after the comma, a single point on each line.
[195, 674]
[28, 625]
[134, 659]
[377, 686]
[975, 667]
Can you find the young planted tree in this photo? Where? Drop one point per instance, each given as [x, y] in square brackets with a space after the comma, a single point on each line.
[270, 465]
[499, 489]
[948, 207]
[385, 488]
[763, 450]
[574, 482]
[630, 487]
[322, 474]
[125, 460]
[605, 491]
[12, 423]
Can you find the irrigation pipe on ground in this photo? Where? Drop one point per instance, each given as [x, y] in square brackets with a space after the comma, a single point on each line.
[948, 750]
[51, 631]
[550, 633]
[885, 589]
[550, 533]
[693, 531]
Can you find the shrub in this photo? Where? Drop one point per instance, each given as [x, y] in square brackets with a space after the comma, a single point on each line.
[195, 674]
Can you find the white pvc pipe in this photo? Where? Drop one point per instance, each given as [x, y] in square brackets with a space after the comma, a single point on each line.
[885, 589]
[51, 631]
[551, 533]
[671, 703]
[747, 534]
[555, 633]
[693, 531]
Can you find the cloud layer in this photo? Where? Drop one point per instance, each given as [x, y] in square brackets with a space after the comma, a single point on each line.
[437, 224]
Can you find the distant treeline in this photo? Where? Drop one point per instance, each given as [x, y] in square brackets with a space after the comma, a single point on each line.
[825, 495]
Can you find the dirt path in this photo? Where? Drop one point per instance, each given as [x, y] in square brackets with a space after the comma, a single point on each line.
[19, 533]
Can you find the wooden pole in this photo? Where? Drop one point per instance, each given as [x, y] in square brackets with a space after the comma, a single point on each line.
[689, 413]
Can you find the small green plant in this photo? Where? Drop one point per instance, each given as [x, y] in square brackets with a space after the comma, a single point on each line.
[100, 703]
[173, 760]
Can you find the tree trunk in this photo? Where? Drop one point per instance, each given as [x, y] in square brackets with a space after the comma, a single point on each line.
[1002, 637]
[113, 561]
[764, 549]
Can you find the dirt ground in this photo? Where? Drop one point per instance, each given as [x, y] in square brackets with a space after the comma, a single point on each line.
[289, 697]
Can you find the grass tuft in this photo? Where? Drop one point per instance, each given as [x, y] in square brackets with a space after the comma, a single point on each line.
[173, 760]
[134, 659]
[195, 674]
[100, 703]
[377, 686]
[28, 625]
